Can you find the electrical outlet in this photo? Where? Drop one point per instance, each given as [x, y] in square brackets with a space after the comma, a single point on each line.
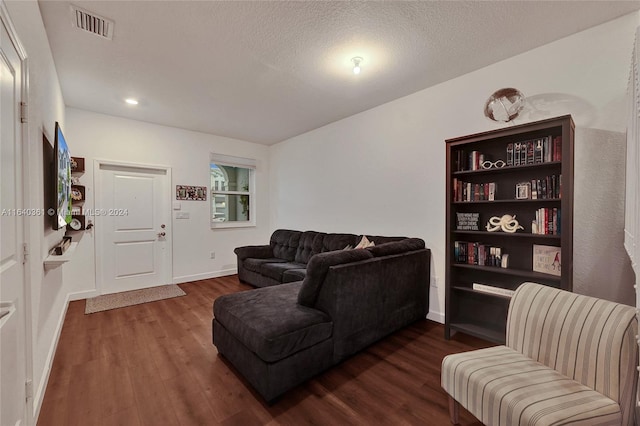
[212, 255]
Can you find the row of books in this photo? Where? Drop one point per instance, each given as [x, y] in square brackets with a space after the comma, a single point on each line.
[533, 151]
[541, 150]
[549, 187]
[547, 222]
[471, 161]
[467, 191]
[479, 254]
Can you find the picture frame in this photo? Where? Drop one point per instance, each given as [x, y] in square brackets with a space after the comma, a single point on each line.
[523, 190]
[191, 193]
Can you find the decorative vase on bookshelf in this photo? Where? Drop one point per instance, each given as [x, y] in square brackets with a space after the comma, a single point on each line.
[527, 171]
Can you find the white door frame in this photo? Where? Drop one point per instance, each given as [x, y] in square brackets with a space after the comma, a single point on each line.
[24, 96]
[97, 220]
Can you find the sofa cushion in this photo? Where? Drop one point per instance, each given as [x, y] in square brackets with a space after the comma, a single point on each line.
[319, 266]
[275, 270]
[403, 246]
[310, 243]
[270, 323]
[503, 387]
[291, 275]
[332, 242]
[284, 243]
[254, 265]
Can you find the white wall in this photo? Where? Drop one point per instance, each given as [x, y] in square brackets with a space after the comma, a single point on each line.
[383, 171]
[97, 136]
[48, 293]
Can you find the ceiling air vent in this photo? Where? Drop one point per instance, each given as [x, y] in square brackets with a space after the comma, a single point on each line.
[92, 23]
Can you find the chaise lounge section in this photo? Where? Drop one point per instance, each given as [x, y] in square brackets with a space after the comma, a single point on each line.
[280, 336]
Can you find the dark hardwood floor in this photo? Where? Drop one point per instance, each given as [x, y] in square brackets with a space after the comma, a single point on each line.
[154, 364]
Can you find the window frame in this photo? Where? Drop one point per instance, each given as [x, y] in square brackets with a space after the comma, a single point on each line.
[244, 163]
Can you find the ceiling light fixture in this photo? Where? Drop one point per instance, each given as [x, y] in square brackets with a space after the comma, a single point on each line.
[356, 64]
[131, 101]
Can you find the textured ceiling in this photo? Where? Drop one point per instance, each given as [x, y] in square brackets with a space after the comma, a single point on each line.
[266, 71]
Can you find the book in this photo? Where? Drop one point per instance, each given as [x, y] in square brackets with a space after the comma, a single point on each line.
[537, 155]
[492, 191]
[534, 189]
[530, 152]
[557, 148]
[493, 290]
[516, 153]
[510, 154]
[547, 259]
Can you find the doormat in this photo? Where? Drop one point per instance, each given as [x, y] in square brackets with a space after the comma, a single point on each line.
[130, 298]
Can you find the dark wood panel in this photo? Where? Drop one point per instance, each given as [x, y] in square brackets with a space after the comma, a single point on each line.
[154, 364]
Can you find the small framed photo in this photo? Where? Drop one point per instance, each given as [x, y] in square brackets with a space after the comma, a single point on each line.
[523, 190]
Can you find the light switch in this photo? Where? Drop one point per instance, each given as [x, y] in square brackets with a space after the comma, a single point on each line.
[176, 206]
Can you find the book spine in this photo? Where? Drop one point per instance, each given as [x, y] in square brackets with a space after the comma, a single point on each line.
[516, 154]
[510, 154]
[538, 151]
[455, 189]
[534, 190]
[547, 150]
[557, 148]
[530, 152]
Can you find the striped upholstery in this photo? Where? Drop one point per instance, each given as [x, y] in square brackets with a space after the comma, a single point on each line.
[569, 359]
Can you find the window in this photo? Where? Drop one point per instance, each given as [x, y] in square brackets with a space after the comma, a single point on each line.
[232, 189]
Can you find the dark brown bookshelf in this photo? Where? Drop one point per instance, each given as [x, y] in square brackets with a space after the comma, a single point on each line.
[483, 314]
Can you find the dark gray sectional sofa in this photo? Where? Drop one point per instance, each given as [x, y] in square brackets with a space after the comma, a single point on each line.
[342, 301]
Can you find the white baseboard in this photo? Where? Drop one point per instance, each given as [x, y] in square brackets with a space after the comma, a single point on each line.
[44, 380]
[436, 316]
[81, 295]
[205, 276]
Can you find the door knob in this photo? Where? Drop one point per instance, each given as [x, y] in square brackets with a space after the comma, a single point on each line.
[161, 234]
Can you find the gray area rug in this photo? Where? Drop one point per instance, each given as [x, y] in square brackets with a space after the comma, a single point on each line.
[130, 298]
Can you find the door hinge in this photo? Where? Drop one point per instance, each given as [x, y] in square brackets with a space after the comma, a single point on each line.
[25, 253]
[24, 112]
[28, 389]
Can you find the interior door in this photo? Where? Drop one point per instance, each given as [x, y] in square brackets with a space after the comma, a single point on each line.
[133, 227]
[13, 367]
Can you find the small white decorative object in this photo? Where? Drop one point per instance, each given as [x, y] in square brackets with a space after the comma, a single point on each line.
[506, 223]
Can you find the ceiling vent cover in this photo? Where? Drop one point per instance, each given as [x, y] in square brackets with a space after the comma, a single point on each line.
[92, 23]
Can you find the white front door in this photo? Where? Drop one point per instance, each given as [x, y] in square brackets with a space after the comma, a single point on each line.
[13, 367]
[133, 227]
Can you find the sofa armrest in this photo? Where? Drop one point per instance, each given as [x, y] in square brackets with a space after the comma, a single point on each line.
[369, 299]
[259, 252]
[317, 270]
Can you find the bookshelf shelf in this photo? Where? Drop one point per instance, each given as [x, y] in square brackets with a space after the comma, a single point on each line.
[508, 235]
[547, 153]
[509, 169]
[531, 275]
[482, 331]
[547, 200]
[481, 293]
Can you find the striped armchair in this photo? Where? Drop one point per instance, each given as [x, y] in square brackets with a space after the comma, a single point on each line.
[568, 359]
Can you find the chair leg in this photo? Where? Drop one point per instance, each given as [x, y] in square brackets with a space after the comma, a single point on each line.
[454, 410]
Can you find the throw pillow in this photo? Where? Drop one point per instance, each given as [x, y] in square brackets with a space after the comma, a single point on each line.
[364, 243]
